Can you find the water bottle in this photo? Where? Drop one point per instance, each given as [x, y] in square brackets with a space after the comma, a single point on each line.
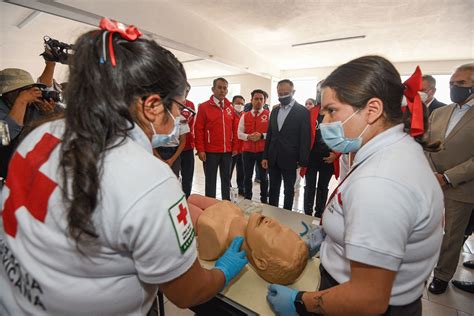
[234, 194]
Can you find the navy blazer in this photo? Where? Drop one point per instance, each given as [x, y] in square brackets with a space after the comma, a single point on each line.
[434, 105]
[288, 148]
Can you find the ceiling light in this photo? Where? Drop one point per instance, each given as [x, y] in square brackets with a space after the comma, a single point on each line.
[329, 40]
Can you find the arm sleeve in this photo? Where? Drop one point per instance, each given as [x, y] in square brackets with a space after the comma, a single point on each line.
[378, 219]
[268, 138]
[241, 129]
[13, 127]
[305, 139]
[199, 125]
[461, 173]
[149, 233]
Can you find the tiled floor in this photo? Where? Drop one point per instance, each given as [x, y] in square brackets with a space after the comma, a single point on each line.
[453, 302]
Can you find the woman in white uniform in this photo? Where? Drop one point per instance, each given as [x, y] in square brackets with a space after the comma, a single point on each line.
[92, 222]
[384, 221]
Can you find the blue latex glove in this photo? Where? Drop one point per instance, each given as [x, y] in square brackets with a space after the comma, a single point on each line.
[315, 239]
[233, 260]
[282, 299]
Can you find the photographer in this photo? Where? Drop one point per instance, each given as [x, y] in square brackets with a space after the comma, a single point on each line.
[21, 103]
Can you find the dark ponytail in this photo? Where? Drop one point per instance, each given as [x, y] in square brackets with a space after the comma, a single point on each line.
[98, 117]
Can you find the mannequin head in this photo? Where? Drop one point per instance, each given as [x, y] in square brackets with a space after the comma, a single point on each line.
[277, 253]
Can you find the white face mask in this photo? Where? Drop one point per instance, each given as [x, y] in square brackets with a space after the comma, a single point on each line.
[423, 96]
[166, 140]
[239, 107]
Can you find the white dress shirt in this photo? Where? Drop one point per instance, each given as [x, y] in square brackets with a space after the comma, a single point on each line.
[458, 113]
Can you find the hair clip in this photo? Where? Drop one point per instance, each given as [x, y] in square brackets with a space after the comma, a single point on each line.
[129, 33]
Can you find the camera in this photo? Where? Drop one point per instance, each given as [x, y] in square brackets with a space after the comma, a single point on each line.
[50, 95]
[56, 51]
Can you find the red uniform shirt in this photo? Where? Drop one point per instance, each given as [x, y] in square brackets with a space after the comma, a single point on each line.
[254, 124]
[190, 118]
[237, 147]
[214, 127]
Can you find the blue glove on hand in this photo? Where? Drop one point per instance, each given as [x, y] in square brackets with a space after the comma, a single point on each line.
[282, 299]
[233, 260]
[315, 239]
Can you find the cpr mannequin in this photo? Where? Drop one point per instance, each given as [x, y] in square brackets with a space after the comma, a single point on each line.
[277, 254]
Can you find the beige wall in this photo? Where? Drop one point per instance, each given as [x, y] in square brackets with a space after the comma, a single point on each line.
[247, 83]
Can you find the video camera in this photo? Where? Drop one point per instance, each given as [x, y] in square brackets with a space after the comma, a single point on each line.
[56, 51]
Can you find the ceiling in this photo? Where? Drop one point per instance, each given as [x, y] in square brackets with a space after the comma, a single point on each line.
[228, 37]
[402, 30]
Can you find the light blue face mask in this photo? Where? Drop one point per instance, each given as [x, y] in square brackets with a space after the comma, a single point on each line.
[166, 140]
[333, 136]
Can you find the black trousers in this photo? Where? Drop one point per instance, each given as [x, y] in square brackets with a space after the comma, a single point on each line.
[237, 161]
[289, 179]
[411, 309]
[222, 161]
[167, 153]
[252, 160]
[325, 172]
[187, 171]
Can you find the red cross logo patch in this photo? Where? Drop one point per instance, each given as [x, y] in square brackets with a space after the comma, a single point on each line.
[28, 186]
[183, 227]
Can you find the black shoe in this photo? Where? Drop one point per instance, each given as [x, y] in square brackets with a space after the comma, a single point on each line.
[469, 264]
[437, 286]
[464, 285]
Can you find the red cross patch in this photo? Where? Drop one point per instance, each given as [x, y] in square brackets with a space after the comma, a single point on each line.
[28, 186]
[183, 227]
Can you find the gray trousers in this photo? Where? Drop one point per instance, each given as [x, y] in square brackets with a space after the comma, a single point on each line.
[457, 216]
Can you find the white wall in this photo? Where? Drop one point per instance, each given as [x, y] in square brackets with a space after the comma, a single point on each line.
[248, 83]
[446, 67]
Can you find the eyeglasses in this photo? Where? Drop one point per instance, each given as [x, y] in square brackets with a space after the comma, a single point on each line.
[184, 108]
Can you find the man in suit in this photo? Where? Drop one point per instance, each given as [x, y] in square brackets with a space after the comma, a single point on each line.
[429, 87]
[287, 144]
[453, 165]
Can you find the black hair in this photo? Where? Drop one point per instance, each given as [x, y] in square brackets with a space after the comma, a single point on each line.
[361, 79]
[214, 82]
[254, 92]
[99, 114]
[288, 81]
[237, 97]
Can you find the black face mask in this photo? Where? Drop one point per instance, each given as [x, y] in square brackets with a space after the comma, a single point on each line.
[285, 100]
[460, 94]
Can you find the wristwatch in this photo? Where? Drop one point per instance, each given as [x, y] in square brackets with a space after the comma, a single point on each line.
[299, 304]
